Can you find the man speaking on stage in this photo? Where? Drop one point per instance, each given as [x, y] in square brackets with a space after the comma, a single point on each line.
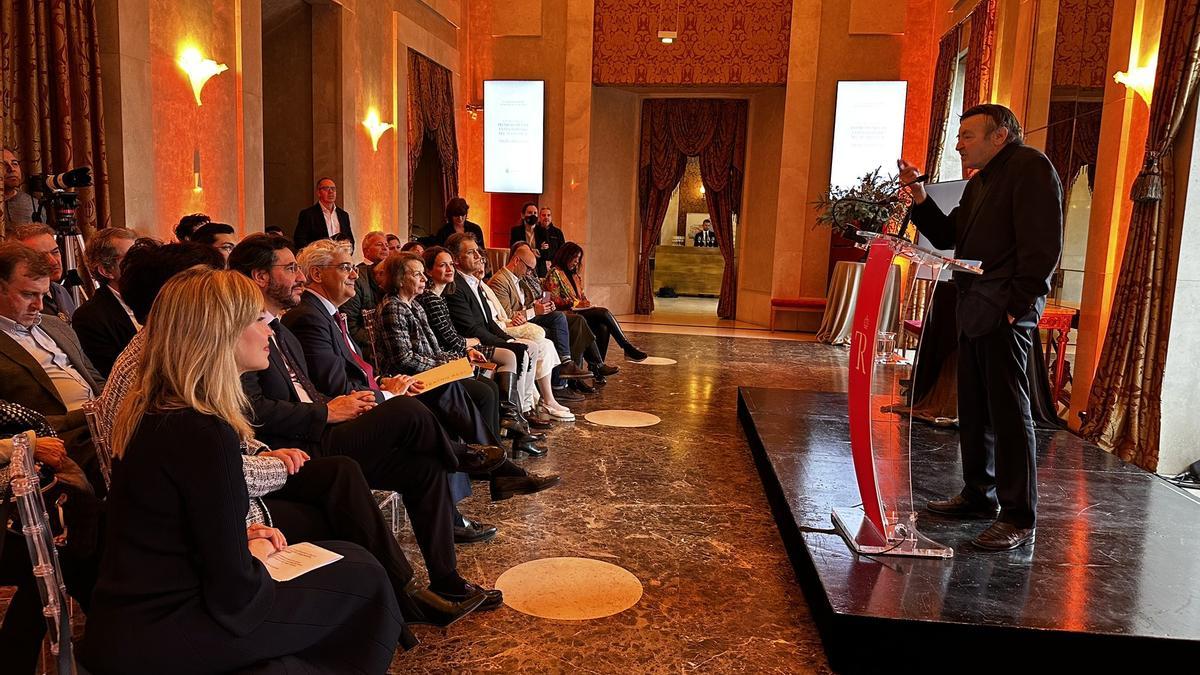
[1010, 218]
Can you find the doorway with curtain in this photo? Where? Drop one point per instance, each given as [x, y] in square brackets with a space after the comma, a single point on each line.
[432, 144]
[691, 166]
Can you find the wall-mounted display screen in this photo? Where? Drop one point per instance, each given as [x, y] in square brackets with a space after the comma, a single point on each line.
[868, 129]
[514, 116]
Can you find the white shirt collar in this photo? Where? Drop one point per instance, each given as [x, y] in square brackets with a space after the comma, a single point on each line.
[471, 281]
[329, 306]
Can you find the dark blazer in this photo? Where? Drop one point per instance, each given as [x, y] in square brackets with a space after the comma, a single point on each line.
[103, 328]
[448, 230]
[367, 295]
[1010, 217]
[310, 226]
[62, 298]
[705, 239]
[551, 236]
[331, 366]
[284, 422]
[469, 318]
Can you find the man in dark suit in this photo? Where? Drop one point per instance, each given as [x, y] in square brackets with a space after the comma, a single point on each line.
[1010, 218]
[367, 292]
[705, 238]
[42, 365]
[323, 219]
[104, 323]
[398, 443]
[58, 300]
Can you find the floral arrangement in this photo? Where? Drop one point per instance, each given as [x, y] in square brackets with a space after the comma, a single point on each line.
[875, 204]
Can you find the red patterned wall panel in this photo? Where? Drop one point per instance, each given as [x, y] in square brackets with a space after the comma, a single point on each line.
[1081, 43]
[721, 42]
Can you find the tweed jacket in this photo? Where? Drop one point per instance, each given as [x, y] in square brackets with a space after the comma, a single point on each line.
[407, 345]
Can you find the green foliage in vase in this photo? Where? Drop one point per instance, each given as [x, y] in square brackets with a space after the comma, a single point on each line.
[872, 205]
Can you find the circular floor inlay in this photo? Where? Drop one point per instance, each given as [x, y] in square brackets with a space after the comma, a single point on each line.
[569, 588]
[622, 418]
[655, 361]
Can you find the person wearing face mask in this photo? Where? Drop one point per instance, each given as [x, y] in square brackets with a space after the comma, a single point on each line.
[539, 231]
[456, 221]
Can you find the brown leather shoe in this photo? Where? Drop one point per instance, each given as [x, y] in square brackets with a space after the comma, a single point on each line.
[474, 458]
[959, 506]
[570, 371]
[1003, 536]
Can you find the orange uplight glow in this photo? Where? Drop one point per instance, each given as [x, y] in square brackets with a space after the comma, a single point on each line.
[375, 127]
[198, 68]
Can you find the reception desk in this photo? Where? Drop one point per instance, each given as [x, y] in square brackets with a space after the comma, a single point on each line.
[690, 270]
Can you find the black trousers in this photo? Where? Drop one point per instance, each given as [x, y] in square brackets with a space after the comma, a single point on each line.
[341, 618]
[328, 498]
[400, 446]
[604, 325]
[995, 424]
[466, 409]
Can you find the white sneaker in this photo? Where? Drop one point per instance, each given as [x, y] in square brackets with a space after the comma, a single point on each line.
[559, 413]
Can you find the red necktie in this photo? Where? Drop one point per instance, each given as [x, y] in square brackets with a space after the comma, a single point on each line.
[366, 367]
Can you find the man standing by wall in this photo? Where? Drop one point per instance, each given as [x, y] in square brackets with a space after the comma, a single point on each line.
[323, 219]
[1010, 218]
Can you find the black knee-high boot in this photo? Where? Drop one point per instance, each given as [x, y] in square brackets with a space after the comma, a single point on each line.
[512, 420]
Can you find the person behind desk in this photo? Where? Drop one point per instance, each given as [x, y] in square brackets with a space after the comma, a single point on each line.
[1010, 218]
[705, 238]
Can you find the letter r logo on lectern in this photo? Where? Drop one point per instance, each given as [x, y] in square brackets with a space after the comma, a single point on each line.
[860, 363]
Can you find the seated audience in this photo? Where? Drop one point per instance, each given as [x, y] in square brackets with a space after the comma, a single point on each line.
[543, 358]
[188, 224]
[324, 498]
[399, 443]
[24, 625]
[564, 283]
[456, 222]
[517, 290]
[42, 365]
[407, 345]
[217, 235]
[104, 323]
[274, 231]
[58, 301]
[366, 291]
[413, 247]
[183, 586]
[344, 241]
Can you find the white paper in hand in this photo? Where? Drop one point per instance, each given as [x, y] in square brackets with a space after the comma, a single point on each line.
[298, 559]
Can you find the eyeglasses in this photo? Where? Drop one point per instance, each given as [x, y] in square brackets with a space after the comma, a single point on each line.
[290, 268]
[346, 268]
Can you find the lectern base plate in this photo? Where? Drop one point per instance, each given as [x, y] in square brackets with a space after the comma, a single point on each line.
[903, 539]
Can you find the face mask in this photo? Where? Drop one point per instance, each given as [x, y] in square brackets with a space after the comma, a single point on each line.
[531, 220]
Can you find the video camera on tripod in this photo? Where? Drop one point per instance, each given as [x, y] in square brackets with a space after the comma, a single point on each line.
[57, 200]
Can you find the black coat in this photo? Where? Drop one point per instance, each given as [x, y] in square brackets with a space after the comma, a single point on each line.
[1010, 217]
[310, 226]
[367, 295]
[468, 316]
[103, 328]
[448, 230]
[547, 241]
[331, 366]
[283, 421]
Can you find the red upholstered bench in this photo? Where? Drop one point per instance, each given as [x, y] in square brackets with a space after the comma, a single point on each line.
[795, 305]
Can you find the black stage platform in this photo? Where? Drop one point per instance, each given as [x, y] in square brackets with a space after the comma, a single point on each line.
[1113, 579]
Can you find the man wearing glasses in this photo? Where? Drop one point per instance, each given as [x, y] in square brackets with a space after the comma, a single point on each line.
[323, 219]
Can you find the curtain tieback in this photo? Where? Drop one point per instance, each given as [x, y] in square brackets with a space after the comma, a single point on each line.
[1148, 186]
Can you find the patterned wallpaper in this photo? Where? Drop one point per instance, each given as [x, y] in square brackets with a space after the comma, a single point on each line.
[721, 42]
[1081, 43]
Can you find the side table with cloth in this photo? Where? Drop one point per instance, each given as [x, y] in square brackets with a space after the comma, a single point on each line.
[842, 296]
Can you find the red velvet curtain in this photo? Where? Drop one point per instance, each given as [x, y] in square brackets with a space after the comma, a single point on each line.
[977, 88]
[1125, 403]
[714, 130]
[431, 113]
[51, 110]
[943, 85]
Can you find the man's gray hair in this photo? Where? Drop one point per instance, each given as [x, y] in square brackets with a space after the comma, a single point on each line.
[374, 234]
[320, 253]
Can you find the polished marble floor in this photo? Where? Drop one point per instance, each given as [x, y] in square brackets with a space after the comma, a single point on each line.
[679, 505]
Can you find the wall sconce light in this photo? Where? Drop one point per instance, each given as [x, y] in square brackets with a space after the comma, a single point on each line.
[198, 69]
[375, 127]
[473, 110]
[667, 36]
[701, 190]
[196, 186]
[1140, 79]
